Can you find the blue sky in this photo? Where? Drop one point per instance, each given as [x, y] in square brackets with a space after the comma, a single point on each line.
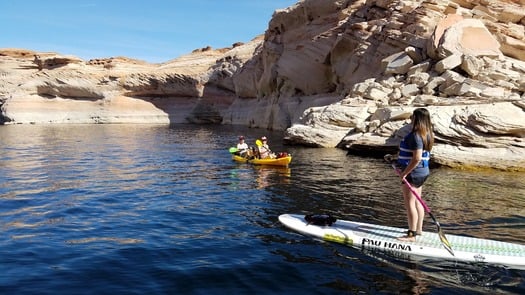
[153, 30]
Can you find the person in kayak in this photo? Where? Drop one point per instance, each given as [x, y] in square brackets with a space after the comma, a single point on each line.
[413, 160]
[264, 149]
[242, 147]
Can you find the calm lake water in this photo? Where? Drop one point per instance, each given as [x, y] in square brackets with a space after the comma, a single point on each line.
[141, 209]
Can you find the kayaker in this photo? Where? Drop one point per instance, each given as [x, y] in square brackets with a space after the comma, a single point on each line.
[264, 149]
[242, 147]
[413, 160]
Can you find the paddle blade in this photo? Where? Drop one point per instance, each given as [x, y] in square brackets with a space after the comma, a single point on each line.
[233, 150]
[258, 142]
[442, 236]
[445, 242]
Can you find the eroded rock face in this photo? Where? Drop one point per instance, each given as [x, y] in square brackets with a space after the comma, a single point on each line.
[41, 88]
[329, 72]
[471, 83]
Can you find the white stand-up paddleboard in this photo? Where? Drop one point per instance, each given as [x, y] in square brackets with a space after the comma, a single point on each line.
[384, 238]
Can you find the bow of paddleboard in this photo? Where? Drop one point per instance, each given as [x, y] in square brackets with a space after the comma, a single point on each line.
[384, 238]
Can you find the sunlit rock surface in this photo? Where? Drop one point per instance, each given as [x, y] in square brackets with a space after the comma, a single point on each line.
[329, 73]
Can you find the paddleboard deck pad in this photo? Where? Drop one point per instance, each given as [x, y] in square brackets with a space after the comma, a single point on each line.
[384, 238]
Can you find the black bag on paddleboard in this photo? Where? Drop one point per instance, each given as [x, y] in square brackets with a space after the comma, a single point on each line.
[320, 219]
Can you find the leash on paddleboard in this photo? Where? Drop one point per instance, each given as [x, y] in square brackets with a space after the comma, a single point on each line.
[442, 237]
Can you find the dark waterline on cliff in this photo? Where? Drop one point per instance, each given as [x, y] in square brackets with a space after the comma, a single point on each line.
[134, 209]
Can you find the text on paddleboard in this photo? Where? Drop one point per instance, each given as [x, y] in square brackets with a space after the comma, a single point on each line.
[385, 244]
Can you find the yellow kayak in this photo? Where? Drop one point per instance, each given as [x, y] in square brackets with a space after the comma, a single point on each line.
[283, 162]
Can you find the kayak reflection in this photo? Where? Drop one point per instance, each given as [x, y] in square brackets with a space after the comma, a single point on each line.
[268, 175]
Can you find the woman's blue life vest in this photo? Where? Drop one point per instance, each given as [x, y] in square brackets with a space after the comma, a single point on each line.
[411, 142]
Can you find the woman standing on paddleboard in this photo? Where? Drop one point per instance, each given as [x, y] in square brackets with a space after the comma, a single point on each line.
[413, 160]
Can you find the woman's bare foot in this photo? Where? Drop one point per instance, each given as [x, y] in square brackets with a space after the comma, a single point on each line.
[409, 237]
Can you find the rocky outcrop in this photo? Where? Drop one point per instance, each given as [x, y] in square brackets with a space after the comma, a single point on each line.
[471, 83]
[46, 88]
[329, 73]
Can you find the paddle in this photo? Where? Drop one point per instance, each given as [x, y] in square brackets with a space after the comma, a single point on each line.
[259, 143]
[442, 237]
[233, 150]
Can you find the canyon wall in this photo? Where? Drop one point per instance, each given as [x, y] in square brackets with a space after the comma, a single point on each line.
[329, 73]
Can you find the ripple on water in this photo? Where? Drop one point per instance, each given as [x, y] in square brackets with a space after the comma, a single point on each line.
[154, 209]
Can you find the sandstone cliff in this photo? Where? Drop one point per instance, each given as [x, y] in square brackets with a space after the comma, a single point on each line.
[331, 73]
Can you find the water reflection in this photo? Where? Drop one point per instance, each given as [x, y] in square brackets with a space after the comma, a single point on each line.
[269, 175]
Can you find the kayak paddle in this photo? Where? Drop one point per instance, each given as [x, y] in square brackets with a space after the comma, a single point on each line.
[233, 150]
[442, 237]
[258, 142]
